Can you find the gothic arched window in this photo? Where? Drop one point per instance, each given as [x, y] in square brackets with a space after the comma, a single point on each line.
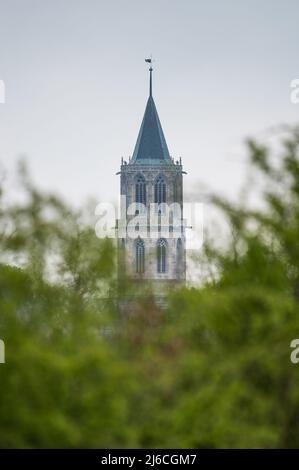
[179, 250]
[177, 189]
[160, 190]
[161, 255]
[140, 190]
[139, 256]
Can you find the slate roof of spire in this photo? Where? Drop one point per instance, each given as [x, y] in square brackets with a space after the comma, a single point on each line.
[151, 147]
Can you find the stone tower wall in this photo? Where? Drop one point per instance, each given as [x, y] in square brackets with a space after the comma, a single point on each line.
[175, 261]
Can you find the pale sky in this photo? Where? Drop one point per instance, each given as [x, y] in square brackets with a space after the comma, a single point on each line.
[77, 85]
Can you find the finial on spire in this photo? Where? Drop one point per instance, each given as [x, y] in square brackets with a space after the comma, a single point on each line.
[150, 61]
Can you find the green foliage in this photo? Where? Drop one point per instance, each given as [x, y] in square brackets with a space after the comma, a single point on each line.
[212, 370]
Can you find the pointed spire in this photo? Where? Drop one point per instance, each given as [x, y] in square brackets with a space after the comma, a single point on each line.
[151, 146]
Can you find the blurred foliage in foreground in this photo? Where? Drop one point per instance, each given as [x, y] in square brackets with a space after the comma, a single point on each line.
[213, 370]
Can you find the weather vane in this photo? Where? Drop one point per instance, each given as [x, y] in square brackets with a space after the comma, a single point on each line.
[150, 61]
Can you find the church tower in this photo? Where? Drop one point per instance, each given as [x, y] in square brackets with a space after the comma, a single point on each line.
[151, 231]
